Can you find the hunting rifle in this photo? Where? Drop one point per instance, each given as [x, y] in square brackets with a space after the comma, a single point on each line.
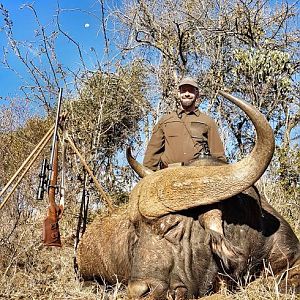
[51, 234]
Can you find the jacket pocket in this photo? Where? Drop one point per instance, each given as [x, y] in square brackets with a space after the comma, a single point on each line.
[173, 128]
[199, 131]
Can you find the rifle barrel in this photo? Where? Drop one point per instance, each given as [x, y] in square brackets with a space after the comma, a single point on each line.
[55, 133]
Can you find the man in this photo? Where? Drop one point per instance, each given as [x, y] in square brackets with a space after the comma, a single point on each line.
[181, 137]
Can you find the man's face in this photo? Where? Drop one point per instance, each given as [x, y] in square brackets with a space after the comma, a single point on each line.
[188, 95]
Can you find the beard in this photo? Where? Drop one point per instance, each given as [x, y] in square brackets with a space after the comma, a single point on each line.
[187, 102]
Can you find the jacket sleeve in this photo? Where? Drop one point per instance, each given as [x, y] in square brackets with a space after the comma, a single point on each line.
[215, 143]
[155, 148]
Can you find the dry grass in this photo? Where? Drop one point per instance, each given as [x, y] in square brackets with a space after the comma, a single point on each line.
[264, 288]
[31, 271]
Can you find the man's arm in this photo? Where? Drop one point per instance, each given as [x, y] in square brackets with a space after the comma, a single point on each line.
[215, 143]
[155, 148]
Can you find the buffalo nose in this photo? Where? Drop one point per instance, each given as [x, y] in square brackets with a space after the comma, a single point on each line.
[137, 289]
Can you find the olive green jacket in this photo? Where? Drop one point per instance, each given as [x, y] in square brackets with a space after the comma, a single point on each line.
[180, 137]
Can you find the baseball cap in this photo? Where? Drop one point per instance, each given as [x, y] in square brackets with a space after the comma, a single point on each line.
[190, 81]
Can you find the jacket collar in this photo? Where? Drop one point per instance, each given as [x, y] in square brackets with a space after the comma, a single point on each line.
[181, 111]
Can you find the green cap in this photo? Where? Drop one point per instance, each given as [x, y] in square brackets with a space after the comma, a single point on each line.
[190, 81]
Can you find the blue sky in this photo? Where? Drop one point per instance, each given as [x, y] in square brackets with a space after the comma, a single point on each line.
[80, 19]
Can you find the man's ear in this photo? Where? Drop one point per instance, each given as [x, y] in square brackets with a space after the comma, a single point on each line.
[178, 94]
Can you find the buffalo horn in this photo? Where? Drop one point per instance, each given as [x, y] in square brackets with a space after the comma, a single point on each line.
[180, 188]
[141, 170]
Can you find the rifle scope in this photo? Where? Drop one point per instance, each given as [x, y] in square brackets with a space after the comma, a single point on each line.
[43, 180]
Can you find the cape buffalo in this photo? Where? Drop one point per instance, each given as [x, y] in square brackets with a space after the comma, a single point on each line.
[157, 245]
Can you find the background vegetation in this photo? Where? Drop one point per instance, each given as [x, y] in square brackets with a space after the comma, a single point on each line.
[249, 47]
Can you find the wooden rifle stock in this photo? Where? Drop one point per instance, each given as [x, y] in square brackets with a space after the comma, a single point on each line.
[51, 234]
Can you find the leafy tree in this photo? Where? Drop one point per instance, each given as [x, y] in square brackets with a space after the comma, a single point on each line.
[106, 117]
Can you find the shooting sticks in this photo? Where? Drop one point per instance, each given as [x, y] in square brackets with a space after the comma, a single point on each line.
[27, 163]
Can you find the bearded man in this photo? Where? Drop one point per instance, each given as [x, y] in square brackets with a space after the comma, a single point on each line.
[185, 134]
